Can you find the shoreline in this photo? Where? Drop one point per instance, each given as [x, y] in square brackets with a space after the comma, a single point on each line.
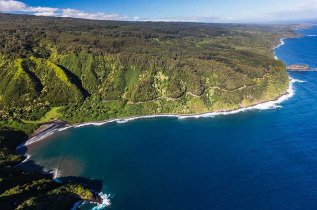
[45, 130]
[280, 44]
[59, 125]
[39, 135]
[296, 35]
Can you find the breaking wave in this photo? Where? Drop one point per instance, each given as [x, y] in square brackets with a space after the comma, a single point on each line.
[261, 106]
[106, 202]
[281, 43]
[56, 173]
[27, 157]
[37, 138]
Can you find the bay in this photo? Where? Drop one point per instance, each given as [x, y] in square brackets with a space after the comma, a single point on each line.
[256, 159]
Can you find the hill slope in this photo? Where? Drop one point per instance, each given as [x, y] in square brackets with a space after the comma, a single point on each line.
[105, 69]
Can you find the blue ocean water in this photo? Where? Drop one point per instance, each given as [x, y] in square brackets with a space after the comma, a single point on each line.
[257, 159]
[301, 50]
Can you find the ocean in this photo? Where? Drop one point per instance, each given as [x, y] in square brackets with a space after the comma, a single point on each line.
[261, 158]
[300, 50]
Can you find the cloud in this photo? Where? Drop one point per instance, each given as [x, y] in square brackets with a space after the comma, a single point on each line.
[91, 15]
[306, 10]
[205, 19]
[9, 6]
[46, 14]
[41, 9]
[17, 6]
[303, 11]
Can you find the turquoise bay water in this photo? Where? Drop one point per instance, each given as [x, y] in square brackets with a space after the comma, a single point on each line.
[257, 159]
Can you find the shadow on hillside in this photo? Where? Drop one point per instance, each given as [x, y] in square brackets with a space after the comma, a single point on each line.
[93, 184]
[75, 80]
[38, 84]
[31, 166]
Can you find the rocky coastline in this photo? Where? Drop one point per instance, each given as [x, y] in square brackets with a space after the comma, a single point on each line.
[296, 67]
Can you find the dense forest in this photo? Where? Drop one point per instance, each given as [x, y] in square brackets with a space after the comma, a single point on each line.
[83, 70]
[96, 70]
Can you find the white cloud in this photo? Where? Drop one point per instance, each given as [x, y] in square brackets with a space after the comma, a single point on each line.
[11, 5]
[205, 19]
[41, 9]
[46, 14]
[306, 10]
[17, 6]
[91, 15]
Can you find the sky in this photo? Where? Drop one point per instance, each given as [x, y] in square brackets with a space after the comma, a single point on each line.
[168, 10]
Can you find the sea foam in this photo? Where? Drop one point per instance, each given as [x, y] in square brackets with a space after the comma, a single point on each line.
[37, 138]
[281, 43]
[261, 106]
[106, 202]
[27, 157]
[56, 173]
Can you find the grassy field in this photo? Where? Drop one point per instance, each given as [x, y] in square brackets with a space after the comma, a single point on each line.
[53, 114]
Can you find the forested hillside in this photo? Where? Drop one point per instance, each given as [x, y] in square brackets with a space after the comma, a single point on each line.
[96, 70]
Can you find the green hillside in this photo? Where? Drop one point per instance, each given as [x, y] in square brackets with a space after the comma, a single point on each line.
[99, 70]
